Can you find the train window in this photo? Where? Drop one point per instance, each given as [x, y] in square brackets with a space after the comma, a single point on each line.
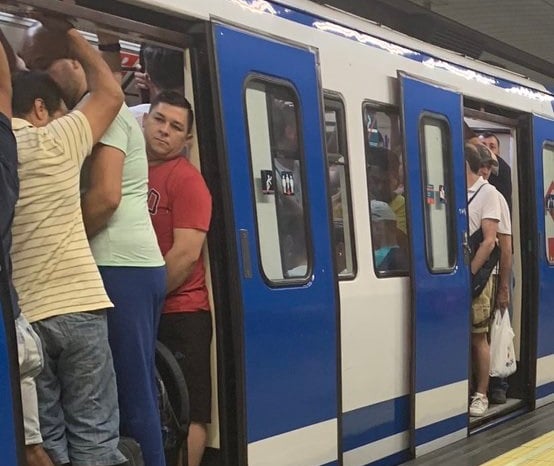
[276, 158]
[385, 182]
[436, 177]
[548, 176]
[339, 186]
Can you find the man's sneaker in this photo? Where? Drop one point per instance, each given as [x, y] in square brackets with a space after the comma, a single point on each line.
[479, 405]
[498, 396]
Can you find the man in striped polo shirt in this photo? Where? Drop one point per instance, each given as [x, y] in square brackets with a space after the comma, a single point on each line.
[114, 183]
[29, 349]
[59, 285]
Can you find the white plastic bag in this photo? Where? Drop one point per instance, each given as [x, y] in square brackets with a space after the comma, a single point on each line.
[503, 357]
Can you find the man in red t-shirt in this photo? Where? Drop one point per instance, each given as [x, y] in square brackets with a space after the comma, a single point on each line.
[180, 207]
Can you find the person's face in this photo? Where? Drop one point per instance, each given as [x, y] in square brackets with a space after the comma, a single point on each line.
[485, 171]
[70, 76]
[492, 144]
[166, 132]
[379, 183]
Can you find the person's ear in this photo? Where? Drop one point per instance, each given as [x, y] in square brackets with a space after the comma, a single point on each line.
[188, 144]
[74, 64]
[39, 110]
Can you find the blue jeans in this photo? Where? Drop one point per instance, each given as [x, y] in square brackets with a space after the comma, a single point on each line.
[138, 294]
[77, 395]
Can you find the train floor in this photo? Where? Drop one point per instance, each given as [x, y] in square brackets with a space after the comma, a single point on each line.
[525, 440]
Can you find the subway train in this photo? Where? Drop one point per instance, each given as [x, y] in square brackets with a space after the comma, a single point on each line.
[316, 130]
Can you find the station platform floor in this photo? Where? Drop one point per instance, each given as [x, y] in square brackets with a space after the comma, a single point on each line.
[527, 439]
[537, 452]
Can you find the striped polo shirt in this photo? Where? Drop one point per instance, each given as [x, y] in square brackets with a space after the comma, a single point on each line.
[53, 268]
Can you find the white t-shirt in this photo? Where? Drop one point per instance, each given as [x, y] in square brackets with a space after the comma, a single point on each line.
[139, 111]
[485, 204]
[505, 224]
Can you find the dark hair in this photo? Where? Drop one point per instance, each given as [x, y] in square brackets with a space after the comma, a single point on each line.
[164, 66]
[177, 100]
[472, 157]
[382, 158]
[31, 85]
[485, 154]
[488, 134]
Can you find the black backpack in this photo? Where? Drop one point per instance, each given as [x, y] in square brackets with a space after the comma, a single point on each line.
[131, 450]
[173, 401]
[481, 277]
[174, 404]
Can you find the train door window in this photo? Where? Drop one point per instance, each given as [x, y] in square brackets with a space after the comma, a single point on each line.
[276, 159]
[385, 182]
[439, 227]
[548, 176]
[339, 187]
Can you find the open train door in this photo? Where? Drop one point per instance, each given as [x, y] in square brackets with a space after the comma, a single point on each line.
[271, 117]
[437, 203]
[543, 148]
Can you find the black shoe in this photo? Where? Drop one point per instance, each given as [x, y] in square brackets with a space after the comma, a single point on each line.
[498, 396]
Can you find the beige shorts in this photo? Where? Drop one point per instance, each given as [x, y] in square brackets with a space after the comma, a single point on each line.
[481, 309]
[31, 361]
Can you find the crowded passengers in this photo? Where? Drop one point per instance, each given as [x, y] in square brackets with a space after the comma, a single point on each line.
[95, 261]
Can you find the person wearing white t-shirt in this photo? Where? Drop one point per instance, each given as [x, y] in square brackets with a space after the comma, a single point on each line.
[484, 213]
[163, 71]
[501, 276]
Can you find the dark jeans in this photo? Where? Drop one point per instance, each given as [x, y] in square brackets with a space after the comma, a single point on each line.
[498, 383]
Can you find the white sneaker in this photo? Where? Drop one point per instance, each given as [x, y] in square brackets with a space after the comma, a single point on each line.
[479, 405]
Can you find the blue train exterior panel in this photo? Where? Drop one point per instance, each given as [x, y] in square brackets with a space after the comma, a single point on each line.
[290, 333]
[440, 298]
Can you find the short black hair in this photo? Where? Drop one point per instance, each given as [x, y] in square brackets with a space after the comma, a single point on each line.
[177, 100]
[383, 158]
[472, 157]
[31, 85]
[166, 67]
[486, 155]
[488, 134]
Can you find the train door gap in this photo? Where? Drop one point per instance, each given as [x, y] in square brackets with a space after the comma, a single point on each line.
[135, 26]
[510, 131]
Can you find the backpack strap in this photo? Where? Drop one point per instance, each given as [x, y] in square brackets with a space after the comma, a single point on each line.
[475, 194]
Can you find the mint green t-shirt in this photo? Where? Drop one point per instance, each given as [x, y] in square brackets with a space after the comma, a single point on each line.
[129, 238]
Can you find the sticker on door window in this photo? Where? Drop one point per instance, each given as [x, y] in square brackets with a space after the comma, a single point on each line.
[287, 183]
[442, 194]
[430, 196]
[267, 182]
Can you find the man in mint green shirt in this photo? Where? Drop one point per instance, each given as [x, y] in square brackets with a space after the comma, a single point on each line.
[125, 247]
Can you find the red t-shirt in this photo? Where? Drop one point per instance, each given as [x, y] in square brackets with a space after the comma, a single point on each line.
[179, 198]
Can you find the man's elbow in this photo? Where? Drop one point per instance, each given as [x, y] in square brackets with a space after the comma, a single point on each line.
[110, 200]
[488, 244]
[116, 97]
[190, 258]
[112, 98]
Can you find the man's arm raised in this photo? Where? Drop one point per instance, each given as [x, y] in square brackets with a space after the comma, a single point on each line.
[105, 97]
